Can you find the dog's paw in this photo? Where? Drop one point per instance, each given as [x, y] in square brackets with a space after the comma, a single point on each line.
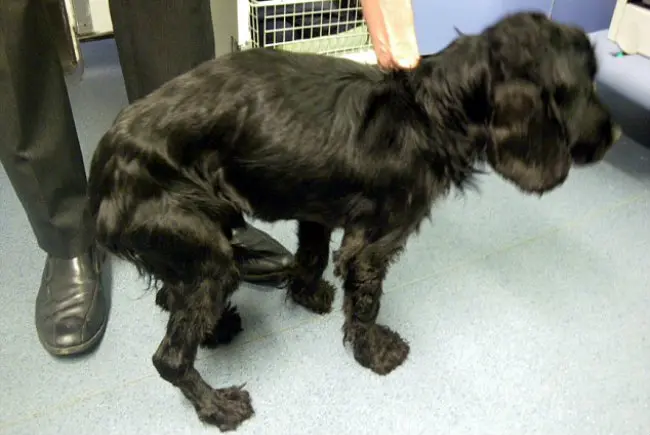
[378, 348]
[226, 408]
[227, 328]
[318, 301]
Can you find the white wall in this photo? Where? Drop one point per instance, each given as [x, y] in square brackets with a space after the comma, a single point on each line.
[243, 35]
[93, 17]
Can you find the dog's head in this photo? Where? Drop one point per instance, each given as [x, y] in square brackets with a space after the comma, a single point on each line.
[546, 115]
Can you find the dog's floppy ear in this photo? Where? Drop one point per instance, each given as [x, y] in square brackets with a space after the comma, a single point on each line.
[528, 140]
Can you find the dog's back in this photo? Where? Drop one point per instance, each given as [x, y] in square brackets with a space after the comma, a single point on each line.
[256, 126]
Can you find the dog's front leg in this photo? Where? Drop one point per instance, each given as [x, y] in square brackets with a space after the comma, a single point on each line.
[306, 286]
[375, 346]
[188, 326]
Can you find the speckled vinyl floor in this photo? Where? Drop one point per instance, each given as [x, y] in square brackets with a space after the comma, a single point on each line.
[525, 316]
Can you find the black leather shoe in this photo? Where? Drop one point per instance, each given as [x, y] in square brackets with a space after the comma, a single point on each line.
[71, 306]
[263, 260]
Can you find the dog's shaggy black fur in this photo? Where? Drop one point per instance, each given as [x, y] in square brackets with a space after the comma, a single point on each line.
[332, 144]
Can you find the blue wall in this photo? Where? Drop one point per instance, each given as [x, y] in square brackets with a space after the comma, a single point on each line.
[435, 19]
[591, 15]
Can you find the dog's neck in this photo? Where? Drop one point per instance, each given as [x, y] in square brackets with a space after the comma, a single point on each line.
[454, 83]
[452, 87]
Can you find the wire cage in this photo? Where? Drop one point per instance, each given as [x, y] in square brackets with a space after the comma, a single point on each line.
[333, 27]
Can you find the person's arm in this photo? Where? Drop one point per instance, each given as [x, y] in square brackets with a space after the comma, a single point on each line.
[392, 32]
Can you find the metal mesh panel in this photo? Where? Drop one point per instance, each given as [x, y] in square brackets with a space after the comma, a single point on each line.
[333, 27]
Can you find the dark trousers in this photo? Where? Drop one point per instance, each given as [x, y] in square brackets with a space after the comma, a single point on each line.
[39, 147]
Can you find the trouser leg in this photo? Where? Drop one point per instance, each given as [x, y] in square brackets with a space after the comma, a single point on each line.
[160, 40]
[40, 152]
[39, 148]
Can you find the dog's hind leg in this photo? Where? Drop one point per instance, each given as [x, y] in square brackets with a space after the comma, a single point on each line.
[198, 309]
[365, 265]
[306, 286]
[188, 325]
[163, 296]
[184, 248]
[228, 326]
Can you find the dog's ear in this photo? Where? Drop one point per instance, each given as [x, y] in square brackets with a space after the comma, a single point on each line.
[528, 143]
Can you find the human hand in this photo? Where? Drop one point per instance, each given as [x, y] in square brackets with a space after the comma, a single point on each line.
[392, 31]
[393, 59]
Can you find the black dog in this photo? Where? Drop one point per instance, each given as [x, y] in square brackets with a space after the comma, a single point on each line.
[332, 144]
